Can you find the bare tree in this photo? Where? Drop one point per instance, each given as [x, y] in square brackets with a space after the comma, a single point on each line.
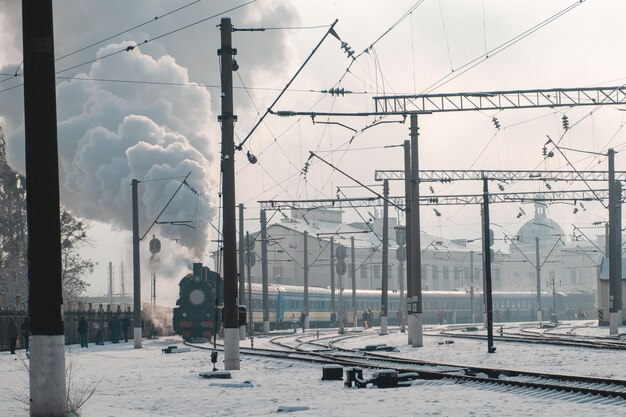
[75, 267]
[13, 233]
[14, 242]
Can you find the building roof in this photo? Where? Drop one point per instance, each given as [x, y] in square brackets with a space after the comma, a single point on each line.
[365, 237]
[542, 227]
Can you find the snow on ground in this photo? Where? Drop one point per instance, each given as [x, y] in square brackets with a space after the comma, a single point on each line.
[146, 382]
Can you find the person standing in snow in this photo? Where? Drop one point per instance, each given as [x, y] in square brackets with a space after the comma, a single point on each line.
[83, 329]
[25, 332]
[302, 320]
[12, 335]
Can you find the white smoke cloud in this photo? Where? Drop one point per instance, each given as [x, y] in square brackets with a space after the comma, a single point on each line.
[138, 131]
[110, 133]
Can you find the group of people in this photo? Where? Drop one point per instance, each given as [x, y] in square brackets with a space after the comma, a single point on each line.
[116, 325]
[14, 333]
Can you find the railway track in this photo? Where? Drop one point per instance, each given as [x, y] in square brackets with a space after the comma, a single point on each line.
[324, 349]
[545, 337]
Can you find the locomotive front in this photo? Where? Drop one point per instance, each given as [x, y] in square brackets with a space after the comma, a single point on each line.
[195, 311]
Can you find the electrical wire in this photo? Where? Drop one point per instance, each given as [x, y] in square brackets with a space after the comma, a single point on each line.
[132, 47]
[500, 48]
[128, 30]
[404, 16]
[445, 35]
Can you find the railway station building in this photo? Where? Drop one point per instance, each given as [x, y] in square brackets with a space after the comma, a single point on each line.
[447, 264]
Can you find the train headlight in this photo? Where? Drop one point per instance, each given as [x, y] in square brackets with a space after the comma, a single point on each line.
[184, 314]
[196, 297]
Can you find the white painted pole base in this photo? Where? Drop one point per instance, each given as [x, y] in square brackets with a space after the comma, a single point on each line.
[266, 327]
[410, 321]
[242, 332]
[306, 322]
[137, 337]
[615, 319]
[383, 326]
[47, 376]
[418, 326]
[231, 349]
[539, 318]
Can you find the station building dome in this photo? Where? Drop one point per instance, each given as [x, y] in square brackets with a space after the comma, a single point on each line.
[541, 226]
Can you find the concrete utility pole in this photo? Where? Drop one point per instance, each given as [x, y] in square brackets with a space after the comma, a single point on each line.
[538, 276]
[136, 267]
[333, 302]
[45, 301]
[487, 236]
[231, 311]
[249, 253]
[264, 274]
[353, 276]
[615, 248]
[472, 286]
[305, 266]
[418, 322]
[242, 275]
[384, 307]
[410, 250]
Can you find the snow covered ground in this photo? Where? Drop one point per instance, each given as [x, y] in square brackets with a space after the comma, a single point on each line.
[146, 382]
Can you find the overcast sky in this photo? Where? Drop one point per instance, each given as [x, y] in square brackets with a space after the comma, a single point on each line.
[112, 130]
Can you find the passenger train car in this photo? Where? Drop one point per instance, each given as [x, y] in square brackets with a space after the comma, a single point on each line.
[286, 303]
[196, 314]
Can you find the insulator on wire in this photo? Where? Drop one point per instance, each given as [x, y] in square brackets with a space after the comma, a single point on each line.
[565, 122]
[349, 51]
[496, 123]
[337, 91]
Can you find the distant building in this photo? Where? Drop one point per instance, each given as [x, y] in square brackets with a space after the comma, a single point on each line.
[572, 265]
[446, 264]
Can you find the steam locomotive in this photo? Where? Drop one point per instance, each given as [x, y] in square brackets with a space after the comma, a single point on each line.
[196, 314]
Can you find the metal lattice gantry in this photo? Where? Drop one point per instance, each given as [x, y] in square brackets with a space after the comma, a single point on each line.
[450, 175]
[439, 200]
[500, 100]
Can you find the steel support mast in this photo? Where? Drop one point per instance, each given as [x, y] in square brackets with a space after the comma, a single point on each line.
[615, 248]
[241, 300]
[264, 274]
[384, 302]
[415, 249]
[487, 242]
[305, 267]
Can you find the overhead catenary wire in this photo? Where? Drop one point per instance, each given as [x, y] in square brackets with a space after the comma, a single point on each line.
[156, 18]
[500, 48]
[328, 32]
[132, 47]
